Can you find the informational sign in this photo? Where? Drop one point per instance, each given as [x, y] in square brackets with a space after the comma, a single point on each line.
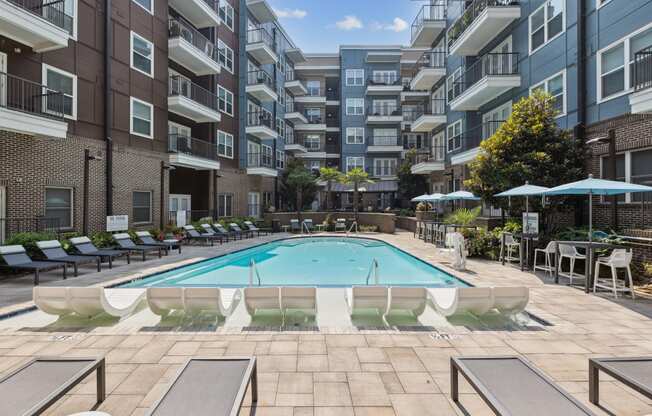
[117, 223]
[181, 218]
[531, 223]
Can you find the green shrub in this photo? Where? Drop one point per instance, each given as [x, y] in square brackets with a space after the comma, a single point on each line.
[102, 239]
[366, 228]
[329, 223]
[29, 240]
[463, 216]
[64, 239]
[406, 212]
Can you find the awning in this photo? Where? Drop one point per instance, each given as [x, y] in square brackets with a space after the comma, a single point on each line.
[380, 186]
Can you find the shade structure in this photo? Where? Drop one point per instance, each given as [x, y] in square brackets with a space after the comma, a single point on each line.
[524, 190]
[460, 196]
[422, 198]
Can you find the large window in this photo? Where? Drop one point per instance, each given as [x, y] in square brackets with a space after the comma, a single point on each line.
[454, 136]
[384, 167]
[280, 159]
[314, 88]
[385, 77]
[355, 135]
[142, 118]
[142, 55]
[146, 4]
[452, 87]
[226, 14]
[225, 205]
[142, 207]
[225, 55]
[224, 144]
[354, 106]
[555, 86]
[312, 142]
[354, 77]
[225, 100]
[353, 162]
[58, 206]
[546, 23]
[633, 167]
[66, 83]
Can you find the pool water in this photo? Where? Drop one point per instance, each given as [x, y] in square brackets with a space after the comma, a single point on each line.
[314, 261]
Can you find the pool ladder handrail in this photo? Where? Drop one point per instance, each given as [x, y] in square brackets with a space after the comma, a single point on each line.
[305, 227]
[373, 269]
[253, 269]
[354, 224]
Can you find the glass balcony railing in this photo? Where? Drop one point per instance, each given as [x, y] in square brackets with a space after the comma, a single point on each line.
[491, 64]
[642, 69]
[428, 13]
[181, 86]
[19, 94]
[470, 14]
[190, 146]
[179, 29]
[52, 11]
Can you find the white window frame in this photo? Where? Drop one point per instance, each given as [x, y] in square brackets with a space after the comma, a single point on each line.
[150, 10]
[448, 127]
[450, 82]
[132, 51]
[221, 204]
[354, 75]
[226, 136]
[280, 159]
[72, 204]
[227, 94]
[378, 165]
[311, 138]
[131, 118]
[228, 11]
[544, 84]
[356, 158]
[546, 40]
[45, 70]
[151, 206]
[385, 75]
[223, 46]
[357, 101]
[75, 12]
[361, 129]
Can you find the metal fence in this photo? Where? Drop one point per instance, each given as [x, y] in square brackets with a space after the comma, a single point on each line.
[428, 13]
[491, 64]
[471, 14]
[52, 11]
[12, 226]
[182, 86]
[643, 69]
[177, 28]
[19, 94]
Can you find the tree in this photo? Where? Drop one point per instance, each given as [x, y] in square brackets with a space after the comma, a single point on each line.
[289, 190]
[329, 175]
[529, 146]
[302, 180]
[356, 177]
[409, 184]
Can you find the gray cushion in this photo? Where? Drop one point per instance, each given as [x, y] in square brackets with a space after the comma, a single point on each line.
[12, 249]
[122, 236]
[80, 240]
[48, 244]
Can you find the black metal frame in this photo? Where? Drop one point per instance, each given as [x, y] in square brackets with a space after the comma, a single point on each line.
[601, 364]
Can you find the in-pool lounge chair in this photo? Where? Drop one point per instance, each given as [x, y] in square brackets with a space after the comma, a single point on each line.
[365, 299]
[87, 302]
[510, 300]
[85, 247]
[35, 386]
[192, 234]
[227, 235]
[258, 299]
[511, 386]
[475, 300]
[15, 257]
[236, 229]
[163, 300]
[125, 243]
[53, 251]
[147, 240]
[634, 372]
[303, 299]
[410, 299]
[209, 386]
[190, 300]
[251, 227]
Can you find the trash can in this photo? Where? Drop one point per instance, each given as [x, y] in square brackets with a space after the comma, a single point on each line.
[276, 226]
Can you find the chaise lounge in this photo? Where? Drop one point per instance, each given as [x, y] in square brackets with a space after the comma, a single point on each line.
[54, 252]
[15, 257]
[85, 247]
[147, 240]
[125, 243]
[634, 372]
[87, 302]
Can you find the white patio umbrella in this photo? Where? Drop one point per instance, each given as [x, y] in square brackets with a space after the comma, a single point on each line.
[421, 198]
[460, 196]
[527, 191]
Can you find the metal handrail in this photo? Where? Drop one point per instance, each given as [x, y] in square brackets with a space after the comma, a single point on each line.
[177, 28]
[52, 11]
[305, 227]
[373, 268]
[253, 270]
[23, 95]
[178, 143]
[384, 79]
[354, 224]
[491, 64]
[261, 35]
[471, 14]
[260, 118]
[430, 59]
[181, 86]
[384, 110]
[428, 13]
[261, 77]
[643, 69]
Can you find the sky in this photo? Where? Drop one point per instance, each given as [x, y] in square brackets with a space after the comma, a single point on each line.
[318, 26]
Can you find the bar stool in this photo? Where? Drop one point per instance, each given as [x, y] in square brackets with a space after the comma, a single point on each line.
[571, 253]
[547, 252]
[619, 259]
[508, 246]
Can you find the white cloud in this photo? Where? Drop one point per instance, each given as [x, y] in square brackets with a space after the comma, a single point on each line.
[291, 14]
[349, 23]
[397, 25]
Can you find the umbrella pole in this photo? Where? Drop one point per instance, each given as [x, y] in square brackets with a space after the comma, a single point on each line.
[527, 232]
[589, 254]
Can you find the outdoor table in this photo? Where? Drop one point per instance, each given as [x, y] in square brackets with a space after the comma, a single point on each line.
[526, 245]
[320, 227]
[590, 247]
[285, 228]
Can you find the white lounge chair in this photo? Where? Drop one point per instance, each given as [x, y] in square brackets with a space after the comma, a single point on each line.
[475, 300]
[302, 299]
[52, 300]
[367, 298]
[92, 301]
[262, 299]
[510, 300]
[208, 299]
[163, 300]
[340, 225]
[411, 299]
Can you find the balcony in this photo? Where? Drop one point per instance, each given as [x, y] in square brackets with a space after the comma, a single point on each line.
[261, 124]
[188, 152]
[261, 164]
[261, 46]
[261, 11]
[641, 99]
[482, 21]
[191, 49]
[427, 164]
[294, 146]
[314, 124]
[295, 86]
[192, 101]
[30, 108]
[430, 116]
[43, 26]
[465, 146]
[429, 69]
[261, 85]
[384, 114]
[384, 144]
[383, 172]
[382, 84]
[201, 13]
[490, 76]
[313, 96]
[293, 115]
[428, 24]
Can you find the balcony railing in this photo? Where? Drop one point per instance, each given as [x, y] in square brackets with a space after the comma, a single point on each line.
[290, 75]
[19, 94]
[437, 154]
[190, 146]
[384, 79]
[261, 35]
[260, 119]
[470, 14]
[431, 59]
[385, 141]
[182, 86]
[333, 95]
[428, 13]
[260, 160]
[52, 11]
[261, 77]
[643, 69]
[472, 138]
[434, 107]
[491, 64]
[179, 29]
[314, 119]
[384, 110]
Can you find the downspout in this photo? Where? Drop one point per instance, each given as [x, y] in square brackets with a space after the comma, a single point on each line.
[108, 105]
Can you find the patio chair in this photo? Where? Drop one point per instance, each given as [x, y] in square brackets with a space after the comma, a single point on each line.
[547, 252]
[634, 372]
[52, 300]
[512, 386]
[294, 225]
[361, 299]
[147, 239]
[209, 232]
[38, 384]
[510, 300]
[258, 299]
[54, 252]
[571, 253]
[220, 230]
[193, 235]
[163, 300]
[92, 301]
[125, 243]
[408, 299]
[16, 258]
[209, 386]
[197, 300]
[302, 299]
[619, 259]
[509, 247]
[254, 229]
[236, 228]
[463, 300]
[85, 247]
[340, 225]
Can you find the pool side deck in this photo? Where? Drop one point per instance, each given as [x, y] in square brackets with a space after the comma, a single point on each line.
[340, 368]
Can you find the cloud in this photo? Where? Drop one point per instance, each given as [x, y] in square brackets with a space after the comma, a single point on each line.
[397, 25]
[291, 14]
[349, 23]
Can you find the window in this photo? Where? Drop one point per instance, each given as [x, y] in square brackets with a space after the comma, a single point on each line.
[452, 87]
[224, 144]
[385, 137]
[353, 162]
[58, 206]
[70, 8]
[384, 107]
[354, 77]
[555, 86]
[225, 100]
[280, 127]
[142, 55]
[267, 155]
[354, 106]
[355, 135]
[66, 83]
[546, 23]
[141, 120]
[280, 159]
[146, 4]
[313, 115]
[632, 167]
[384, 167]
[225, 205]
[454, 135]
[312, 142]
[253, 202]
[226, 14]
[384, 77]
[289, 134]
[225, 56]
[142, 207]
[314, 88]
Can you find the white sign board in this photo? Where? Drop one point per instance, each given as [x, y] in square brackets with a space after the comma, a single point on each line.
[117, 223]
[531, 223]
[181, 218]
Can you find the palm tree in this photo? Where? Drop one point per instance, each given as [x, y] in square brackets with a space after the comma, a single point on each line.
[301, 179]
[329, 175]
[356, 177]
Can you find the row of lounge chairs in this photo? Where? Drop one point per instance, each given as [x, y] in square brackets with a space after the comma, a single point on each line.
[208, 233]
[307, 224]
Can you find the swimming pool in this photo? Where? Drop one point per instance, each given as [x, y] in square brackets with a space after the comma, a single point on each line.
[312, 261]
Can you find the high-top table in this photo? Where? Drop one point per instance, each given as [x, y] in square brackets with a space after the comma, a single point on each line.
[590, 247]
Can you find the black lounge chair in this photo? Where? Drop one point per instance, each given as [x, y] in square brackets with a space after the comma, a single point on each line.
[193, 235]
[209, 386]
[219, 228]
[125, 243]
[511, 386]
[85, 247]
[146, 239]
[634, 372]
[208, 230]
[15, 257]
[251, 227]
[34, 387]
[53, 251]
[236, 229]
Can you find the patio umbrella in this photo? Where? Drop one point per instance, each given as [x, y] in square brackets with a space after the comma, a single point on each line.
[421, 198]
[436, 197]
[527, 191]
[460, 196]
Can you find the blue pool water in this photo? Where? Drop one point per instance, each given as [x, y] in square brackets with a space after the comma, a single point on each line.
[318, 261]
